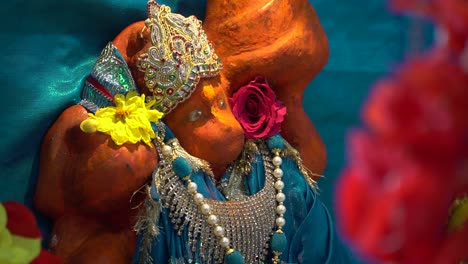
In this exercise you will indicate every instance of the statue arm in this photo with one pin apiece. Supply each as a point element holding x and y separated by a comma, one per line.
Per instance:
<point>86,184</point>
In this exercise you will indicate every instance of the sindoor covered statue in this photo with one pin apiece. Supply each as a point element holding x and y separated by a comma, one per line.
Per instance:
<point>184,150</point>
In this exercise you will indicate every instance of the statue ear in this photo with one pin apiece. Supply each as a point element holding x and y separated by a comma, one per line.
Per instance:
<point>131,40</point>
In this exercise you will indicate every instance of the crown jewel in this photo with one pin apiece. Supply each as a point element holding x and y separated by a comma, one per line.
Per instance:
<point>179,56</point>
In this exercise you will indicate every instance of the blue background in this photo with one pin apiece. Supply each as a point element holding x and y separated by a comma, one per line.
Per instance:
<point>366,42</point>
<point>49,46</point>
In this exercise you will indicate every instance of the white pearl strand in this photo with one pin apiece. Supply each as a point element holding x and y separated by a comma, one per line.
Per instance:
<point>279,186</point>
<point>280,197</point>
<point>205,208</point>
<point>212,219</point>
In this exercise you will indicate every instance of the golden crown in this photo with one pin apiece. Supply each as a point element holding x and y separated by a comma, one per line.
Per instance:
<point>179,56</point>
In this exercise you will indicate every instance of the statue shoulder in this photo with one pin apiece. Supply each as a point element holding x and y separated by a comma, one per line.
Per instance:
<point>88,172</point>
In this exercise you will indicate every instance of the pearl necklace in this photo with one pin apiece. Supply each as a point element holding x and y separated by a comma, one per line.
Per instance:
<point>183,169</point>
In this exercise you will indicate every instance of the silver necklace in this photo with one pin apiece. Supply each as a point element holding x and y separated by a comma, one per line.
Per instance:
<point>221,230</point>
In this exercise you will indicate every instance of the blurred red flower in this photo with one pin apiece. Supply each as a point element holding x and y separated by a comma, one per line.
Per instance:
<point>454,248</point>
<point>451,17</point>
<point>423,107</point>
<point>20,222</point>
<point>406,170</point>
<point>389,206</point>
<point>399,198</point>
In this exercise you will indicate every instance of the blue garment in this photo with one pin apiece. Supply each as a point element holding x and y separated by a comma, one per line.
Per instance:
<point>309,228</point>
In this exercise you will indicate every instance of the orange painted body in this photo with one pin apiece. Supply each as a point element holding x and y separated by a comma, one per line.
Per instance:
<point>87,184</point>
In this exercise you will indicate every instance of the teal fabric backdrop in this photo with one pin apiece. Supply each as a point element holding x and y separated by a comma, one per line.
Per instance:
<point>49,46</point>
<point>366,42</point>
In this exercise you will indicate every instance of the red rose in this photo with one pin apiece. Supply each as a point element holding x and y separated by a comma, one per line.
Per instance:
<point>257,109</point>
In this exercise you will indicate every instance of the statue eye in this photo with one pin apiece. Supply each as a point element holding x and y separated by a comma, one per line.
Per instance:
<point>222,103</point>
<point>195,115</point>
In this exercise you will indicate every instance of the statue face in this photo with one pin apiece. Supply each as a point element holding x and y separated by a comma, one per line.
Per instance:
<point>204,123</point>
<point>206,127</point>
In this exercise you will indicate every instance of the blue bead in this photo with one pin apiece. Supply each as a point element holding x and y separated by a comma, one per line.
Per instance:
<point>275,142</point>
<point>234,258</point>
<point>278,242</point>
<point>154,127</point>
<point>154,193</point>
<point>181,167</point>
<point>168,135</point>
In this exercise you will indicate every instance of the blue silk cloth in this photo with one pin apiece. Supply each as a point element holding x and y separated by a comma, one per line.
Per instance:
<point>309,227</point>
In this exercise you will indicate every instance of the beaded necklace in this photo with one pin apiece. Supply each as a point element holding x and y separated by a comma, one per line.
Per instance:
<point>230,232</point>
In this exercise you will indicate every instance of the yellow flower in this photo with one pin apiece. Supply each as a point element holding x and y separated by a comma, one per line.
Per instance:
<point>16,249</point>
<point>129,121</point>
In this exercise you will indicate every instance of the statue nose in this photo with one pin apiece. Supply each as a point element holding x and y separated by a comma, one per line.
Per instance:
<point>226,119</point>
